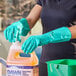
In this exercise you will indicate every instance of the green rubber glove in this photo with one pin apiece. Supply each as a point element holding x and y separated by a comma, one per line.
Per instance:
<point>59,35</point>
<point>14,32</point>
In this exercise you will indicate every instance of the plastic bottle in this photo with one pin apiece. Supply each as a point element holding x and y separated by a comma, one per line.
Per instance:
<point>2,64</point>
<point>0,69</point>
<point>20,64</point>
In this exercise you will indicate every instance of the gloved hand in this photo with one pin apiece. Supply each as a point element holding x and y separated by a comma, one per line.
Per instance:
<point>59,35</point>
<point>16,30</point>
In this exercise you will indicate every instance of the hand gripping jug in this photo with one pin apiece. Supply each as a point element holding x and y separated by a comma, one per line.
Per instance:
<point>21,64</point>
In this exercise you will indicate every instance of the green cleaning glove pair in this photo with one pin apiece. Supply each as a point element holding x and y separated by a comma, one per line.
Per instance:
<point>14,32</point>
<point>21,28</point>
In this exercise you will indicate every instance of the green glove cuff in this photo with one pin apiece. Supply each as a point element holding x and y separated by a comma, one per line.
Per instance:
<point>25,24</point>
<point>59,35</point>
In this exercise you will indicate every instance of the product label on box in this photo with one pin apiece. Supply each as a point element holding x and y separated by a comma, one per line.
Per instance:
<point>13,70</point>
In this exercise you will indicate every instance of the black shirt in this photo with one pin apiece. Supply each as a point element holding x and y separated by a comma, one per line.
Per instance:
<point>55,14</point>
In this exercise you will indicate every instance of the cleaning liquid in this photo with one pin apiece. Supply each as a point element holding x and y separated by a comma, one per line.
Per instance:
<point>21,64</point>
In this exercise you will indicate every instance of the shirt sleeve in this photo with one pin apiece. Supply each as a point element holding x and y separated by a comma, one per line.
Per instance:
<point>39,2</point>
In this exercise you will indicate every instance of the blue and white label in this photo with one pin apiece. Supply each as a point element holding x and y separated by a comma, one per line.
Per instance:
<point>19,70</point>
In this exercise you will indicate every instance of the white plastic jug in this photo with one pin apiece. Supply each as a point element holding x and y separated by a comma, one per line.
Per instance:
<point>21,64</point>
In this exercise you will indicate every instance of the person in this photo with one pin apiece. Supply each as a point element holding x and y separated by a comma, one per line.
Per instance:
<point>58,34</point>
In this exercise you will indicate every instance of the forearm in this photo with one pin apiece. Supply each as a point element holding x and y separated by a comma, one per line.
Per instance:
<point>73,32</point>
<point>59,35</point>
<point>34,15</point>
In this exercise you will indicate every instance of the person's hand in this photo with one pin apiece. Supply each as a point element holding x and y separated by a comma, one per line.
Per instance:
<point>59,35</point>
<point>34,41</point>
<point>30,44</point>
<point>16,30</point>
